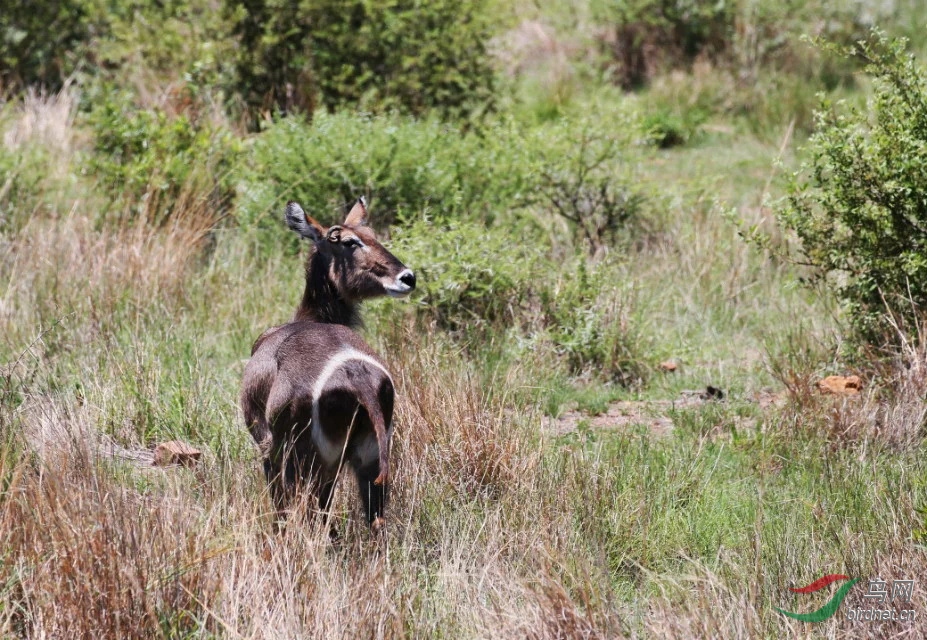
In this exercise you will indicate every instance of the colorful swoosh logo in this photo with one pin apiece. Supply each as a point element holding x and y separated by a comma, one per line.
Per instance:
<point>830,608</point>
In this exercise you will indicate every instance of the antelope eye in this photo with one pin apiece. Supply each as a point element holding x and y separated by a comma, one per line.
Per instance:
<point>351,242</point>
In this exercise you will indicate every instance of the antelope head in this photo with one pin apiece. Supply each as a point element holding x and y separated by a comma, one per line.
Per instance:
<point>353,260</point>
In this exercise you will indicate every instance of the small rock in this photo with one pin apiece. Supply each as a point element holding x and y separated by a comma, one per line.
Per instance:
<point>668,366</point>
<point>840,385</point>
<point>175,452</point>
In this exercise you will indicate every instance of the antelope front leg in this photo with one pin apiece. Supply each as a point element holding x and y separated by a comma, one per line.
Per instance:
<point>278,492</point>
<point>326,493</point>
<point>282,468</point>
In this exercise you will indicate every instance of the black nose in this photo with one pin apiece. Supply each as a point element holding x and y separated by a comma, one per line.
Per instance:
<point>408,278</point>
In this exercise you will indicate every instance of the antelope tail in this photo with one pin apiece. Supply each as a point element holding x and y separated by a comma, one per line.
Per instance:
<point>371,403</point>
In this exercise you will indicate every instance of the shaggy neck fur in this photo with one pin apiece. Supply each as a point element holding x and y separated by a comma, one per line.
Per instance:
<point>321,301</point>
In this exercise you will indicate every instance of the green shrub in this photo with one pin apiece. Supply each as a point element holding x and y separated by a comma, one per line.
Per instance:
<point>380,55</point>
<point>668,129</point>
<point>271,56</point>
<point>43,43</point>
<point>145,158</point>
<point>40,42</point>
<point>471,279</point>
<point>770,38</point>
<point>407,55</point>
<point>583,172</point>
<point>474,282</point>
<point>647,36</point>
<point>273,67</point>
<point>399,163</point>
<point>36,171</point>
<point>859,205</point>
<point>330,162</point>
<point>21,185</point>
<point>182,46</point>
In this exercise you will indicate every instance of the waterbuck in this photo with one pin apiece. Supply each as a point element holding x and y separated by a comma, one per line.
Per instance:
<point>315,396</point>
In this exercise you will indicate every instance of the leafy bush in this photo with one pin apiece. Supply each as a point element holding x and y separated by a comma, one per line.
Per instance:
<point>39,41</point>
<point>43,43</point>
<point>403,54</point>
<point>646,37</point>
<point>668,129</point>
<point>859,206</point>
<point>498,173</point>
<point>169,51</point>
<point>330,162</point>
<point>273,64</point>
<point>470,278</point>
<point>583,172</point>
<point>474,281</point>
<point>768,37</point>
<point>146,158</point>
<point>379,55</point>
<point>399,163</point>
<point>21,184</point>
<point>36,158</point>
<point>649,34</point>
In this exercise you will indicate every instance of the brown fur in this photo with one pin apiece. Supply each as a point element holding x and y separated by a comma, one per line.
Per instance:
<point>355,405</point>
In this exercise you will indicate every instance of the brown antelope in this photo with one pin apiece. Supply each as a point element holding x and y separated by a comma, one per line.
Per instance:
<point>314,395</point>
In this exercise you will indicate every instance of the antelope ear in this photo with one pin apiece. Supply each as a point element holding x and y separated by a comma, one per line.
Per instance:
<point>302,224</point>
<point>357,216</point>
<point>334,234</point>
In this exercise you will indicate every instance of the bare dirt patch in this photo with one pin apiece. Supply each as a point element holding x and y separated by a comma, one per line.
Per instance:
<point>620,415</point>
<point>653,414</point>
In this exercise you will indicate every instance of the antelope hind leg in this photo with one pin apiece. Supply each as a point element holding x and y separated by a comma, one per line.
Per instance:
<point>373,496</point>
<point>326,494</point>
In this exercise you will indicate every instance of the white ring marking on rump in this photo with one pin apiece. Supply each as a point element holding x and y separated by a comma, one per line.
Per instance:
<point>331,451</point>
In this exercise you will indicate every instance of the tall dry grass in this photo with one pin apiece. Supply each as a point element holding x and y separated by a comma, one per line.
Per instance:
<point>889,412</point>
<point>96,547</point>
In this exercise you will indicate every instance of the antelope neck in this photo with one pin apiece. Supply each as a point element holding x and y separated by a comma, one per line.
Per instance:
<point>321,300</point>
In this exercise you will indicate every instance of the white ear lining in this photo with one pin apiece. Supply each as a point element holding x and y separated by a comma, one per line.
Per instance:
<point>302,224</point>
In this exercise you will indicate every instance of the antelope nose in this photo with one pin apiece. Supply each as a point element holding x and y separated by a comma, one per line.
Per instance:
<point>408,278</point>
